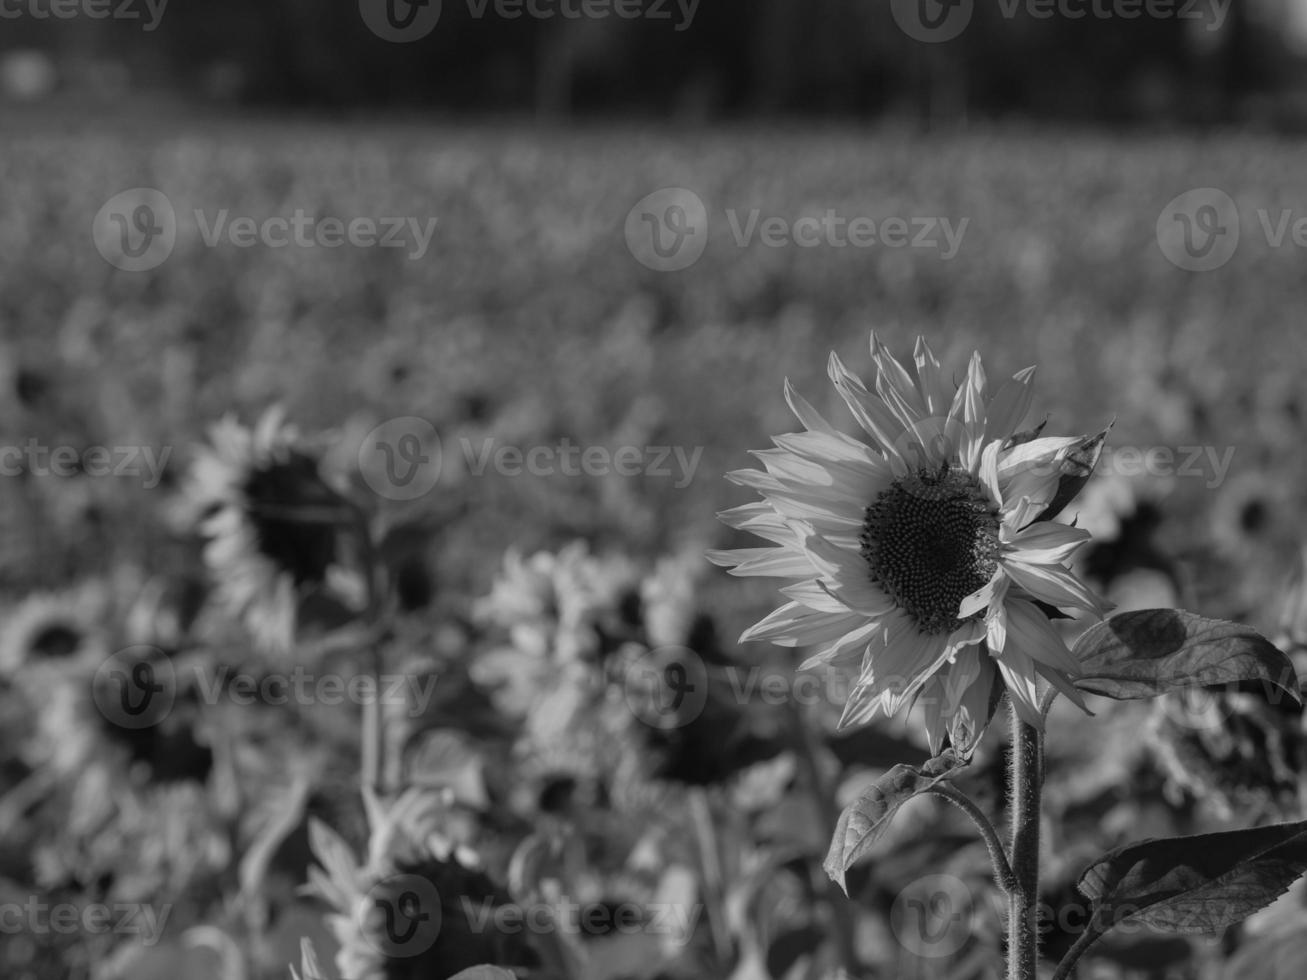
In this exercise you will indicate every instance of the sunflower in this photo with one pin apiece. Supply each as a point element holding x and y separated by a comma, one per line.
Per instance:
<point>271,522</point>
<point>556,604</point>
<point>412,908</point>
<point>47,627</point>
<point>923,561</point>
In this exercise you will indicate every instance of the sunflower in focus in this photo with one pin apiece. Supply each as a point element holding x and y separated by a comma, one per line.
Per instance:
<point>272,524</point>
<point>922,560</point>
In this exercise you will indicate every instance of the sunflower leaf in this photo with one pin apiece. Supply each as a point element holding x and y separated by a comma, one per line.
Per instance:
<point>1075,467</point>
<point>1197,884</point>
<point>866,819</point>
<point>1150,652</point>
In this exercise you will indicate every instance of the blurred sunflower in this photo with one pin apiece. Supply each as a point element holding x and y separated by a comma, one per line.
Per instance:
<point>554,604</point>
<point>417,907</point>
<point>1250,512</point>
<point>919,561</point>
<point>272,523</point>
<point>45,626</point>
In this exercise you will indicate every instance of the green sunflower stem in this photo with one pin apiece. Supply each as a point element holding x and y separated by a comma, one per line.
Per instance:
<point>1024,792</point>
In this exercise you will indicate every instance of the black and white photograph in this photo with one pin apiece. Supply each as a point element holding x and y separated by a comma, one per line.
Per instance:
<point>653,489</point>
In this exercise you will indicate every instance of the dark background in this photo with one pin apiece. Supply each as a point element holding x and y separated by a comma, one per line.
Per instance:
<point>737,58</point>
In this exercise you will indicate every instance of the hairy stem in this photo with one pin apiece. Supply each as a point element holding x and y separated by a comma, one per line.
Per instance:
<point>1024,791</point>
<point>997,855</point>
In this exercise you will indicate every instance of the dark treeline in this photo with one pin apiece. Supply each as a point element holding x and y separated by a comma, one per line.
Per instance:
<point>1209,60</point>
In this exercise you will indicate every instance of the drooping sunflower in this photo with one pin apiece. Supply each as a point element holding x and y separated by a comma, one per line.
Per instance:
<point>272,524</point>
<point>923,560</point>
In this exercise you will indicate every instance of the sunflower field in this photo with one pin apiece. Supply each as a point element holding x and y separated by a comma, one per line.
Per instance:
<point>365,611</point>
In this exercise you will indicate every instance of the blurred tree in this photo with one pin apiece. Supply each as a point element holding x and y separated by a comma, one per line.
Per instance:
<point>733,57</point>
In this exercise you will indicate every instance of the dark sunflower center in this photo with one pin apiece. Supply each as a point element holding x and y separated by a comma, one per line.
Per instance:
<point>930,540</point>
<point>303,547</point>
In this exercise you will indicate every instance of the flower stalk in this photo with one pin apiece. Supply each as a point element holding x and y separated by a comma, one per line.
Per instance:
<point>373,723</point>
<point>1025,789</point>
